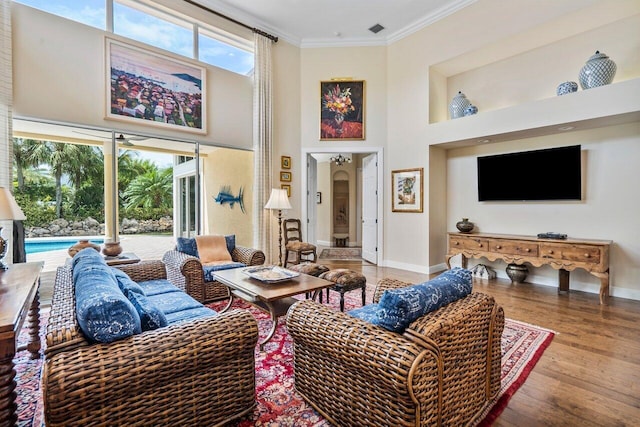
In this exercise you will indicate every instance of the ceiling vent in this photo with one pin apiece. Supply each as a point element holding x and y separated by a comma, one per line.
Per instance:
<point>376,28</point>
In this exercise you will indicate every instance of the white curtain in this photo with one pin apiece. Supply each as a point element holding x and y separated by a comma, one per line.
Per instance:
<point>262,143</point>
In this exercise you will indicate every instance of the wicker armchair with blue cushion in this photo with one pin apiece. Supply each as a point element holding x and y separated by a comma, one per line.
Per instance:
<point>421,355</point>
<point>186,271</point>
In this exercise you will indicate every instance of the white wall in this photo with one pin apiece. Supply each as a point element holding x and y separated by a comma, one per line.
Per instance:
<point>60,75</point>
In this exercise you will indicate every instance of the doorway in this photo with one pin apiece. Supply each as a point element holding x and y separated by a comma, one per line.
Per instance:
<point>363,211</point>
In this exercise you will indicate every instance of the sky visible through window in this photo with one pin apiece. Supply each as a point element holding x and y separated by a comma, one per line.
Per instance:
<point>149,29</point>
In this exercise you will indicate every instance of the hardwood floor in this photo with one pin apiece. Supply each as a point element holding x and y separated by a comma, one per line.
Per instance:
<point>588,376</point>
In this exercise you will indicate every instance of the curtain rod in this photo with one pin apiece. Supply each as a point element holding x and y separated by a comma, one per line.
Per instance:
<point>255,30</point>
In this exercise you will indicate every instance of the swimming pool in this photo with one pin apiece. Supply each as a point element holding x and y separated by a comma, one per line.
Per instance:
<point>33,246</point>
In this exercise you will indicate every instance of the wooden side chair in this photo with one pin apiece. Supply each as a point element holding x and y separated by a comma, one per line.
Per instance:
<point>293,244</point>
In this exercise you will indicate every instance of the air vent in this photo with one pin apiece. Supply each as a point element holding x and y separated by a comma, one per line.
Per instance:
<point>376,28</point>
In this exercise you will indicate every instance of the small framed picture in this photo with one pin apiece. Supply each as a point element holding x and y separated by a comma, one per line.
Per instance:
<point>318,197</point>
<point>406,189</point>
<point>286,187</point>
<point>285,176</point>
<point>285,162</point>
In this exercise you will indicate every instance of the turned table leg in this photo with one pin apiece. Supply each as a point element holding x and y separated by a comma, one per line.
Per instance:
<point>604,285</point>
<point>8,407</point>
<point>33,320</point>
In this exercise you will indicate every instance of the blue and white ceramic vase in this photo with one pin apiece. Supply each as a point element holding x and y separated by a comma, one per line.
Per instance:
<point>458,105</point>
<point>567,87</point>
<point>470,110</point>
<point>598,71</point>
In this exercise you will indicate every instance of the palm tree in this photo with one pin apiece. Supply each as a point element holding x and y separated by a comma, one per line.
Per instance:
<point>88,167</point>
<point>151,190</point>
<point>22,158</point>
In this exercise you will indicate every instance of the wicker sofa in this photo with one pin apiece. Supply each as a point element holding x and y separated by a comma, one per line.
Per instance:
<point>186,272</point>
<point>195,372</point>
<point>442,370</point>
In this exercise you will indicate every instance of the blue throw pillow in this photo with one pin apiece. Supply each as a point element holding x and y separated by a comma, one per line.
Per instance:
<point>231,242</point>
<point>104,314</point>
<point>150,315</point>
<point>125,283</point>
<point>187,245</point>
<point>399,307</point>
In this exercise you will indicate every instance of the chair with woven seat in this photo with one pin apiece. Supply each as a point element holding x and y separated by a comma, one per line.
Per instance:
<point>293,244</point>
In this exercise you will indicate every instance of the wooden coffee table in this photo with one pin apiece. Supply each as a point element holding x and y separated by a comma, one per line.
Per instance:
<point>273,298</point>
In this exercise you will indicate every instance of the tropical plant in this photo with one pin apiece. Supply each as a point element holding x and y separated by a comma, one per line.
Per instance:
<point>153,189</point>
<point>22,158</point>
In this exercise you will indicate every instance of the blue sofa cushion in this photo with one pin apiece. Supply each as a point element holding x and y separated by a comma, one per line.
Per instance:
<point>151,317</point>
<point>189,247</point>
<point>173,302</point>
<point>104,314</point>
<point>125,283</point>
<point>368,313</point>
<point>192,313</point>
<point>399,307</point>
<point>209,270</point>
<point>158,286</point>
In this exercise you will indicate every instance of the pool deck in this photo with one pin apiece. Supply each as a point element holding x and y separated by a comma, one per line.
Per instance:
<point>144,246</point>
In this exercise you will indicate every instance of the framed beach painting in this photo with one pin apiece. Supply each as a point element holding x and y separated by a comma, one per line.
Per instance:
<point>342,110</point>
<point>406,190</point>
<point>145,87</point>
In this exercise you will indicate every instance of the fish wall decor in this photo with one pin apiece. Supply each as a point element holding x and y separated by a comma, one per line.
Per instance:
<point>225,196</point>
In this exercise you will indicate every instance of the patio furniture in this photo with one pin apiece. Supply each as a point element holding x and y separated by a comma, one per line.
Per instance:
<point>293,243</point>
<point>197,370</point>
<point>443,370</point>
<point>186,272</point>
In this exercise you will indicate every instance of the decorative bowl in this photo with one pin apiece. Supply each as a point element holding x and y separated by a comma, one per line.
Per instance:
<point>567,87</point>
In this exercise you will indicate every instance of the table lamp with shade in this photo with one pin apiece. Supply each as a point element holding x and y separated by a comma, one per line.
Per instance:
<point>9,210</point>
<point>278,200</point>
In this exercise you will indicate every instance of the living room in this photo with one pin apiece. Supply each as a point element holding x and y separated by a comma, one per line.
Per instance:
<point>508,67</point>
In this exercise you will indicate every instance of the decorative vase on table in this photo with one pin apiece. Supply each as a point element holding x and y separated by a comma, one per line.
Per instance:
<point>465,226</point>
<point>82,243</point>
<point>458,104</point>
<point>112,249</point>
<point>598,71</point>
<point>517,273</point>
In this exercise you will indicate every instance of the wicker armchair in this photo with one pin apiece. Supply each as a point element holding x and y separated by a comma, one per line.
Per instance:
<point>442,371</point>
<point>198,372</point>
<point>185,271</point>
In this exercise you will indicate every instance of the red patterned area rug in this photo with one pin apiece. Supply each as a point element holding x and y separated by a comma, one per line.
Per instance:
<point>278,404</point>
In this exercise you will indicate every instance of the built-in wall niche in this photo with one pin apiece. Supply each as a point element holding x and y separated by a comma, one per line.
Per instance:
<point>341,202</point>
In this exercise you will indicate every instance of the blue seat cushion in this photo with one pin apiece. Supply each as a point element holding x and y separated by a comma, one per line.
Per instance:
<point>174,301</point>
<point>189,247</point>
<point>397,308</point>
<point>209,270</point>
<point>158,286</point>
<point>193,313</point>
<point>151,317</point>
<point>103,312</point>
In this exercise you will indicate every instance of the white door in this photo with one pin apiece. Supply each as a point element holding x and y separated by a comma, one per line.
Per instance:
<point>312,187</point>
<point>370,208</point>
<point>185,205</point>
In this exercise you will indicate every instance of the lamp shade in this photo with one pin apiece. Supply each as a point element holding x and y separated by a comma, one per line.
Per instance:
<point>278,200</point>
<point>9,209</point>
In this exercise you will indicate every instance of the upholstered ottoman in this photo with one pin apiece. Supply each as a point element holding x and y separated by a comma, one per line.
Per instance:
<point>344,281</point>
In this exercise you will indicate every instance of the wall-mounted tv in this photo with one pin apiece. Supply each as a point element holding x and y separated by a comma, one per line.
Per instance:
<point>549,174</point>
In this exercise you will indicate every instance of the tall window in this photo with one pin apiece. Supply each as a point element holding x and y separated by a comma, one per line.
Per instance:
<point>143,22</point>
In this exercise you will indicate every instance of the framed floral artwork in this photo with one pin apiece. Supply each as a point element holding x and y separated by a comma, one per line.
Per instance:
<point>286,187</point>
<point>406,190</point>
<point>285,176</point>
<point>342,110</point>
<point>145,87</point>
<point>285,162</point>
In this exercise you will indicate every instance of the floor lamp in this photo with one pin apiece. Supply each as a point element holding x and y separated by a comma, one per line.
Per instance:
<point>278,200</point>
<point>9,209</point>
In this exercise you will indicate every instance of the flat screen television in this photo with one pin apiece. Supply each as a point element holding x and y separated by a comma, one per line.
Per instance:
<point>549,174</point>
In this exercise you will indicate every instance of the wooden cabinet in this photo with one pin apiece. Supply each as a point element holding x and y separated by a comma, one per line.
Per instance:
<point>563,255</point>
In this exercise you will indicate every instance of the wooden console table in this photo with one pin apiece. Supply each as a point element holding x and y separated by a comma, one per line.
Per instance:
<point>563,255</point>
<point>18,298</point>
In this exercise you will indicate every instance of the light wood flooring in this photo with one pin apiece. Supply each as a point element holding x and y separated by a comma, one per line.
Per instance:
<point>589,375</point>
